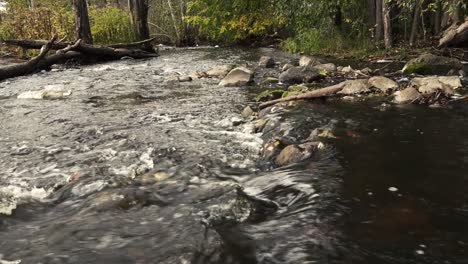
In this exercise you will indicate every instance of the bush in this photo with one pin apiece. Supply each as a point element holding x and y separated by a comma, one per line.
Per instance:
<point>316,42</point>
<point>110,25</point>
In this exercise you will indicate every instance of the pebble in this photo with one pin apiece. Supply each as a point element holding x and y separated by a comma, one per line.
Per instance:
<point>420,252</point>
<point>393,189</point>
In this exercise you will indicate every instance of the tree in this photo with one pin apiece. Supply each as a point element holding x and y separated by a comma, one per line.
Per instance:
<point>82,28</point>
<point>139,13</point>
<point>388,36</point>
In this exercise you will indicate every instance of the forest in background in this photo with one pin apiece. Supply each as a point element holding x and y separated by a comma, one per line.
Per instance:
<point>312,26</point>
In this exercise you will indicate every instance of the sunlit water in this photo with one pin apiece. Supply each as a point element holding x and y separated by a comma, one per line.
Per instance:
<point>134,168</point>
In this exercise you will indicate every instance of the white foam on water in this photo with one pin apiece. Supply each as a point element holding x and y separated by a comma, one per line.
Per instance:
<point>12,196</point>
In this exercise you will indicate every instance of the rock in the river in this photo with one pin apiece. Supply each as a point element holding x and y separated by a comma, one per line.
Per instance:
<point>219,71</point>
<point>408,95</point>
<point>185,79</point>
<point>270,95</point>
<point>355,87</point>
<point>267,62</point>
<point>309,61</point>
<point>247,112</point>
<point>240,76</point>
<point>270,80</point>
<point>298,75</point>
<point>427,64</point>
<point>295,153</point>
<point>383,84</point>
<point>287,66</point>
<point>453,82</point>
<point>328,67</point>
<point>347,69</point>
<point>51,92</point>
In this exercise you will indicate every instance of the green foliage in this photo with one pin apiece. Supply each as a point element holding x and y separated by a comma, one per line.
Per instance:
<point>417,68</point>
<point>21,22</point>
<point>110,25</point>
<point>271,95</point>
<point>236,20</point>
<point>317,42</point>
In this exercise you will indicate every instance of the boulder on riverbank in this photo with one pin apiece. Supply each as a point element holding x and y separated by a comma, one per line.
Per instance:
<point>297,75</point>
<point>429,85</point>
<point>240,76</point>
<point>428,64</point>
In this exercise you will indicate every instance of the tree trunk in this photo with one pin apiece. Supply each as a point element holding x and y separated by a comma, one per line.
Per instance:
<point>372,13</point>
<point>415,25</point>
<point>378,21</point>
<point>139,13</point>
<point>388,37</point>
<point>437,18</point>
<point>82,28</point>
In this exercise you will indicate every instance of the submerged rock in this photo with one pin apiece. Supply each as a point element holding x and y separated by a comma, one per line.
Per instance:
<point>355,87</point>
<point>219,71</point>
<point>50,92</point>
<point>267,62</point>
<point>295,153</point>
<point>270,95</point>
<point>427,64</point>
<point>270,80</point>
<point>298,75</point>
<point>383,84</point>
<point>408,95</point>
<point>240,76</point>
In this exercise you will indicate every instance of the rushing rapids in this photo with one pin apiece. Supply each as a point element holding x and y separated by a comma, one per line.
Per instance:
<point>122,163</point>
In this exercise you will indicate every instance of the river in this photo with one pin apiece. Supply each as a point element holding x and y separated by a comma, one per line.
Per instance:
<point>132,167</point>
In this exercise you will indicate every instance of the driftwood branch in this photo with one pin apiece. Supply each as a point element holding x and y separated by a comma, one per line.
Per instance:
<point>455,36</point>
<point>323,92</point>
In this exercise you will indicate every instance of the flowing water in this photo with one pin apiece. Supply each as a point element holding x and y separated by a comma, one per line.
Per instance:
<point>132,167</point>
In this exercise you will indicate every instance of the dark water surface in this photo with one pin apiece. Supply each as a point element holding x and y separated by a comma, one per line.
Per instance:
<point>134,168</point>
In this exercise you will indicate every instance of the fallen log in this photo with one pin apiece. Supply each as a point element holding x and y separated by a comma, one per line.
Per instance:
<point>26,67</point>
<point>66,51</point>
<point>455,36</point>
<point>323,92</point>
<point>37,44</point>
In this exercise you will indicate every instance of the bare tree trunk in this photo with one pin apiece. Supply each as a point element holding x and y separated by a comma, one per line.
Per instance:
<point>139,13</point>
<point>415,25</point>
<point>174,21</point>
<point>378,21</point>
<point>372,12</point>
<point>82,28</point>
<point>388,37</point>
<point>438,18</point>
